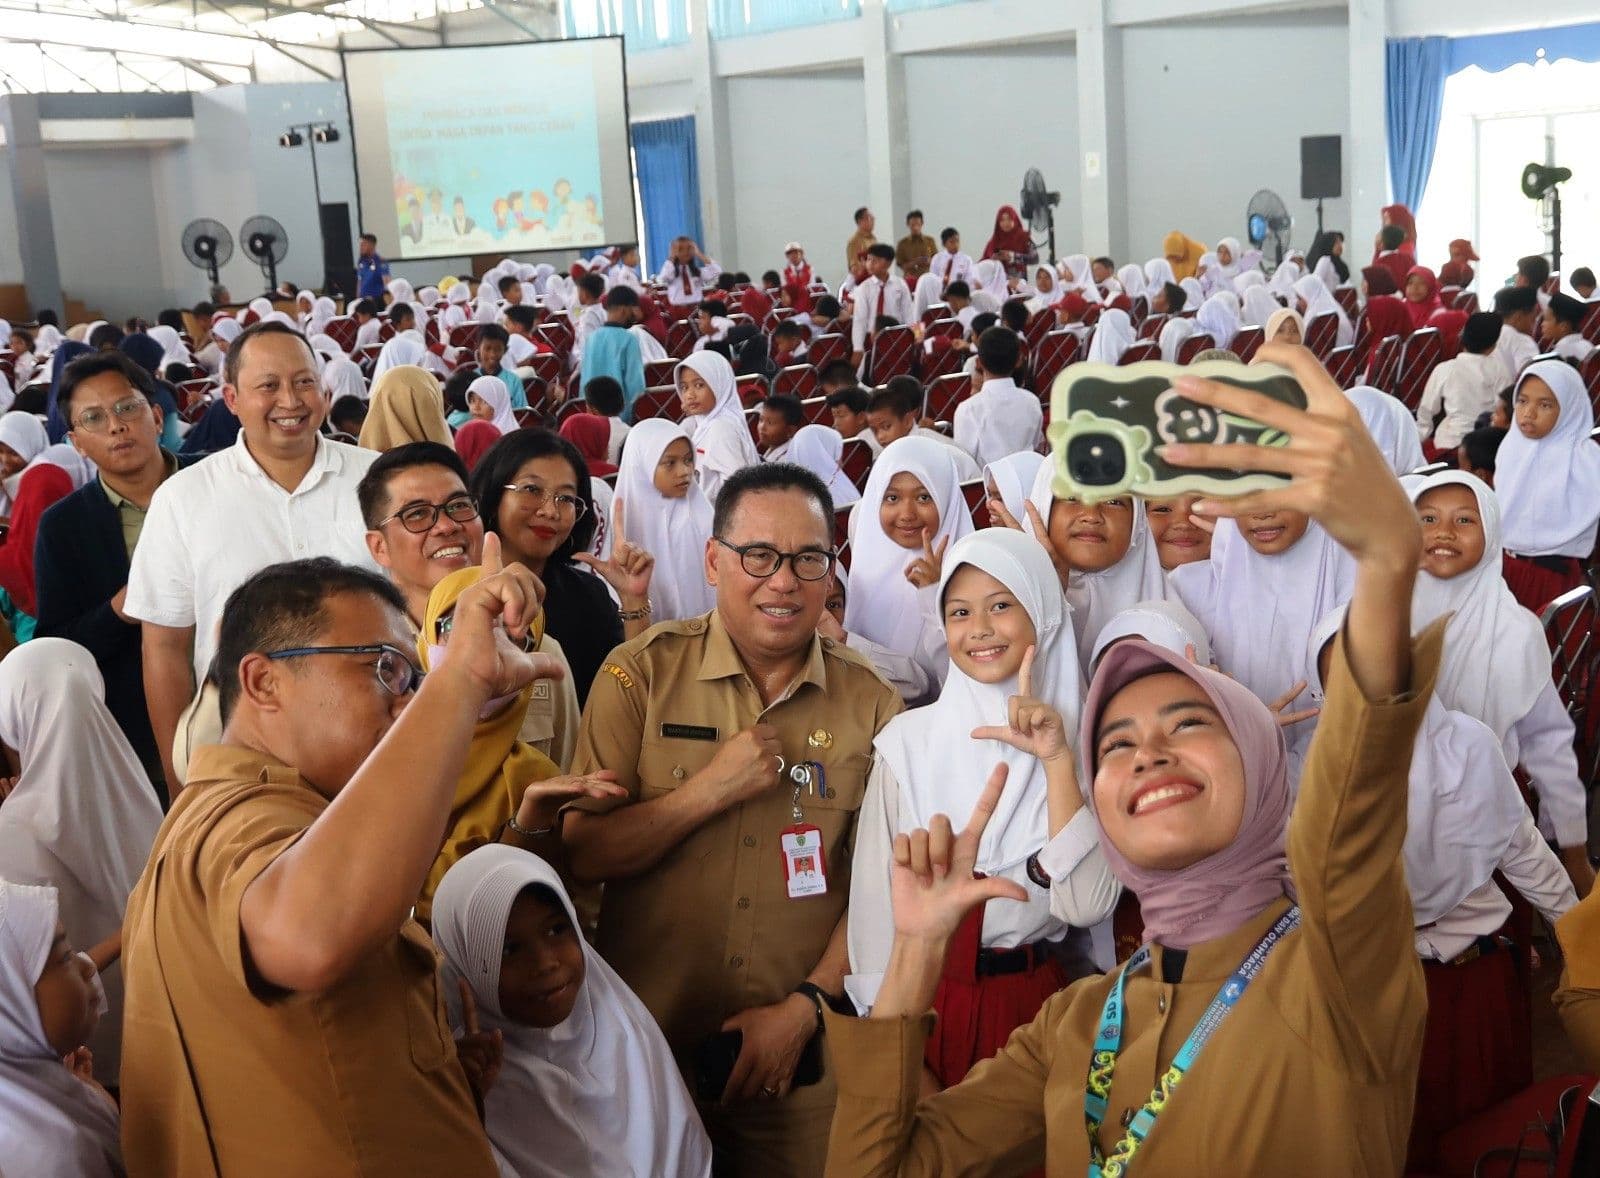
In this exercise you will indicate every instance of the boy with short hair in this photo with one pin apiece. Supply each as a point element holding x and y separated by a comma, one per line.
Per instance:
<point>1563,327</point>
<point>836,375</point>
<point>613,349</point>
<point>605,399</point>
<point>788,344</point>
<point>491,356</point>
<point>402,318</point>
<point>1582,280</point>
<point>824,311</point>
<point>958,297</point>
<point>520,322</point>
<point>1533,271</point>
<point>591,317</point>
<point>779,419</point>
<point>368,325</point>
<point>895,412</point>
<point>713,322</point>
<point>1476,454</point>
<point>1169,298</point>
<point>880,296</point>
<point>1517,307</point>
<point>510,289</point>
<point>950,265</point>
<point>849,409</point>
<point>346,414</point>
<point>1459,390</point>
<point>999,419</point>
<point>1103,269</point>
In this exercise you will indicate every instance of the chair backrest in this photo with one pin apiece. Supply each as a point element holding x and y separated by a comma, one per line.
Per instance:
<point>817,411</point>
<point>1322,334</point>
<point>934,313</point>
<point>528,418</point>
<point>944,394</point>
<point>1059,348</point>
<point>1466,301</point>
<point>931,365</point>
<point>1347,298</point>
<point>1193,346</point>
<point>797,380</point>
<point>1569,627</point>
<point>1419,356</point>
<point>893,354</point>
<point>661,401</point>
<point>466,336</point>
<point>1040,324</point>
<point>752,421</point>
<point>856,462</point>
<point>947,326</point>
<point>1091,316</point>
<point>342,330</point>
<point>1344,365</point>
<point>680,338</point>
<point>1590,371</point>
<point>752,388</point>
<point>827,348</point>
<point>659,371</point>
<point>1143,350</point>
<point>1248,342</point>
<point>1141,308</point>
<point>1591,324</point>
<point>975,493</point>
<point>1150,326</point>
<point>1384,371</point>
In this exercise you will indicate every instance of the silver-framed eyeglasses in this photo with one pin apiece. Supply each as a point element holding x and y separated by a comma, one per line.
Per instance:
<point>97,421</point>
<point>565,504</point>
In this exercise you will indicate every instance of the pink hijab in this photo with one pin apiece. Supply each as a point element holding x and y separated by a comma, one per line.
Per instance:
<point>1211,898</point>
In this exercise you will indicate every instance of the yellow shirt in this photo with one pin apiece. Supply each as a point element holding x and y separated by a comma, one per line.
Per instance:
<point>130,513</point>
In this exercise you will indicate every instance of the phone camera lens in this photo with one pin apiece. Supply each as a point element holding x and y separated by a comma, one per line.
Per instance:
<point>1096,460</point>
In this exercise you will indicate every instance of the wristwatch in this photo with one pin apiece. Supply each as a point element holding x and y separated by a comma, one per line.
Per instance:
<point>820,998</point>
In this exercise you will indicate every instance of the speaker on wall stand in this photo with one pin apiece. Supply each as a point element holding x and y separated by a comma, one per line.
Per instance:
<point>1321,170</point>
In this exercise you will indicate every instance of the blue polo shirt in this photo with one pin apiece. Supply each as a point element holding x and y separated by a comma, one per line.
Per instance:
<point>371,275</point>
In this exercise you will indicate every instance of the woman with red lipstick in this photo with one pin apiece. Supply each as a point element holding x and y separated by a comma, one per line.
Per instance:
<point>1273,1021</point>
<point>588,1085</point>
<point>1012,694</point>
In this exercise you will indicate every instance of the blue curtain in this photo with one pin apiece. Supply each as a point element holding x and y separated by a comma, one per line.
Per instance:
<point>1416,69</point>
<point>1501,51</point>
<point>730,18</point>
<point>669,185</point>
<point>645,24</point>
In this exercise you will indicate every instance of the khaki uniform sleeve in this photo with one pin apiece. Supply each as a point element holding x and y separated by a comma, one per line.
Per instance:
<point>990,1123</point>
<point>612,730</point>
<point>1579,1009</point>
<point>1345,842</point>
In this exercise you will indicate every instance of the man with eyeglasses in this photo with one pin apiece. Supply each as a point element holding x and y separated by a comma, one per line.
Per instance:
<point>744,741</point>
<point>284,1012</point>
<point>87,540</point>
<point>280,492</point>
<point>422,525</point>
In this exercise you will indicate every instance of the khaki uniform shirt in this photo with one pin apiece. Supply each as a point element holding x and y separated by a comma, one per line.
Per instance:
<point>224,1075</point>
<point>551,723</point>
<point>1314,1072</point>
<point>709,930</point>
<point>855,247</point>
<point>913,253</point>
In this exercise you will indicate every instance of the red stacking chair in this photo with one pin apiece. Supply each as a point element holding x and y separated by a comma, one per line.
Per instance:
<point>975,493</point>
<point>659,371</point>
<point>466,336</point>
<point>934,313</point>
<point>1247,342</point>
<point>817,411</point>
<point>547,371</point>
<point>343,331</point>
<point>430,333</point>
<point>1466,301</point>
<point>1344,365</point>
<point>191,391</point>
<point>855,459</point>
<point>944,394</point>
<point>1591,378</point>
<point>752,389</point>
<point>1384,371</point>
<point>776,316</point>
<point>658,402</point>
<point>945,326</point>
<point>557,332</point>
<point>939,362</point>
<point>1419,356</point>
<point>894,353</point>
<point>1141,308</point>
<point>1591,324</point>
<point>1322,334</point>
<point>570,408</point>
<point>797,380</point>
<point>528,418</point>
<point>841,528</point>
<point>385,331</point>
<point>1092,315</point>
<point>1040,324</point>
<point>827,348</point>
<point>752,421</point>
<point>1346,297</point>
<point>1143,350</point>
<point>1059,348</point>
<point>1150,327</point>
<point>680,339</point>
<point>1193,346</point>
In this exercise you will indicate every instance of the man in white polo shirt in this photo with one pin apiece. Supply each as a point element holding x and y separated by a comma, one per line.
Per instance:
<point>281,492</point>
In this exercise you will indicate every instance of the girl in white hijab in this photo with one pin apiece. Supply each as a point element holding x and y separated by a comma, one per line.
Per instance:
<point>428,296</point>
<point>1130,570</point>
<point>1248,279</point>
<point>1174,333</point>
<point>1549,484</point>
<point>1319,300</point>
<point>260,307</point>
<point>26,437</point>
<point>53,1119</point>
<point>82,817</point>
<point>884,604</point>
<point>668,516</point>
<point>1218,317</point>
<point>820,449</point>
<point>173,349</point>
<point>998,595</point>
<point>1283,278</point>
<point>1131,279</point>
<point>487,307</point>
<point>1009,480</point>
<point>1225,272</point>
<point>1496,665</point>
<point>1165,623</point>
<point>930,290</point>
<point>1259,305</point>
<point>1391,426</point>
<point>989,276</point>
<point>1113,335</point>
<point>1075,273</point>
<point>1195,292</point>
<point>400,291</point>
<point>489,400</point>
<point>714,419</point>
<point>1157,273</point>
<point>341,377</point>
<point>1048,290</point>
<point>596,1091</point>
<point>405,348</point>
<point>454,313</point>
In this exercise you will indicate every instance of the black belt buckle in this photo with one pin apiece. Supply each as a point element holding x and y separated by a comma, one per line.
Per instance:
<point>995,963</point>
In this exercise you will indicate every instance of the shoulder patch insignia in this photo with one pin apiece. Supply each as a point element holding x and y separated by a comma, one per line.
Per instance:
<point>618,674</point>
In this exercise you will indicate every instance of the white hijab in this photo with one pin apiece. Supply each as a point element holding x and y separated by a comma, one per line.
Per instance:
<point>989,276</point>
<point>1096,598</point>
<point>674,531</point>
<point>598,1094</point>
<point>930,289</point>
<point>1082,275</point>
<point>1259,610</point>
<point>1248,279</point>
<point>1320,301</point>
<point>404,348</point>
<point>427,296</point>
<point>260,307</point>
<point>1284,277</point>
<point>1549,489</point>
<point>1194,292</point>
<point>341,376</point>
<point>51,1122</point>
<point>1012,476</point>
<point>83,816</point>
<point>1131,279</point>
<point>1174,333</point>
<point>400,291</point>
<point>459,294</point>
<point>1391,426</point>
<point>883,606</point>
<point>1165,623</point>
<point>1218,317</point>
<point>1228,270</point>
<point>25,434</point>
<point>1157,273</point>
<point>1259,305</point>
<point>820,449</point>
<point>1113,335</point>
<point>725,423</point>
<point>492,391</point>
<point>1496,660</point>
<point>173,349</point>
<point>939,766</point>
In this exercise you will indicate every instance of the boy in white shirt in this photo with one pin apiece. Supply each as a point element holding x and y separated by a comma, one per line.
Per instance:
<point>1517,307</point>
<point>1563,327</point>
<point>950,264</point>
<point>958,297</point>
<point>879,297</point>
<point>848,406</point>
<point>895,411</point>
<point>713,321</point>
<point>368,325</point>
<point>999,419</point>
<point>591,315</point>
<point>605,398</point>
<point>687,274</point>
<point>1462,389</point>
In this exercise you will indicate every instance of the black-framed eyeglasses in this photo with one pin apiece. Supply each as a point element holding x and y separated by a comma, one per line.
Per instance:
<point>97,420</point>
<point>396,673</point>
<point>763,560</point>
<point>420,517</point>
<point>565,504</point>
<point>445,626</point>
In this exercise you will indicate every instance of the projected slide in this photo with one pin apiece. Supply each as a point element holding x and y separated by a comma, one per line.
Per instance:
<point>477,149</point>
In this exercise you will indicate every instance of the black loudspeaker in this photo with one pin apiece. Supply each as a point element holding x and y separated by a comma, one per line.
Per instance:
<point>1321,166</point>
<point>338,264</point>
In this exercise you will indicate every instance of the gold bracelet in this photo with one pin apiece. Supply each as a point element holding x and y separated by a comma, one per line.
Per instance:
<point>634,615</point>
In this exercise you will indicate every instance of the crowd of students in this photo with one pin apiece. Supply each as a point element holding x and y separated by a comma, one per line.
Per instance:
<point>405,718</point>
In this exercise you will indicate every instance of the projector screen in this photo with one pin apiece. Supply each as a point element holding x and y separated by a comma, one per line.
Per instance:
<point>475,149</point>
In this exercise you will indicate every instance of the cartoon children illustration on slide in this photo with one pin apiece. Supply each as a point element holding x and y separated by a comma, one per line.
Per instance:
<point>561,207</point>
<point>502,213</point>
<point>590,214</point>
<point>460,223</point>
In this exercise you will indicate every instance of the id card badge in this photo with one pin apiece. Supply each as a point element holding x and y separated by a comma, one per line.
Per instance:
<point>804,872</point>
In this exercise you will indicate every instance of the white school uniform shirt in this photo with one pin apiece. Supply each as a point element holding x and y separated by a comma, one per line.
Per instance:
<point>1573,347</point>
<point>779,453</point>
<point>1514,350</point>
<point>896,305</point>
<point>367,333</point>
<point>619,434</point>
<point>588,321</point>
<point>649,346</point>
<point>998,420</point>
<point>620,275</point>
<point>214,524</point>
<point>672,278</point>
<point>871,439</point>
<point>948,267</point>
<point>1462,389</point>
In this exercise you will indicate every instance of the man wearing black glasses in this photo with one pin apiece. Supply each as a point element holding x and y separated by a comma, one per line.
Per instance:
<point>744,741</point>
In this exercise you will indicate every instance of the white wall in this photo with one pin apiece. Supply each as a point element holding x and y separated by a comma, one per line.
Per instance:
<point>1216,110</point>
<point>799,166</point>
<point>103,205</point>
<point>10,259</point>
<point>977,121</point>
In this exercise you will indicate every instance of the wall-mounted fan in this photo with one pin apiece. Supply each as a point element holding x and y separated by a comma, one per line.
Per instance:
<point>1268,224</point>
<point>267,244</point>
<point>208,245</point>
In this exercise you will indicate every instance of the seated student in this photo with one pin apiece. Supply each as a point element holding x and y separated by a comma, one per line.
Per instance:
<point>1562,326</point>
<point>1070,312</point>
<point>58,1119</point>
<point>780,418</point>
<point>590,434</point>
<point>895,412</point>
<point>1285,326</point>
<point>820,449</point>
<point>879,296</point>
<point>825,312</point>
<point>1006,484</point>
<point>1391,427</point>
<point>835,376</point>
<point>603,395</point>
<point>487,401</point>
<point>685,276</point>
<point>1533,272</point>
<point>53,473</point>
<point>1582,280</point>
<point>669,517</point>
<point>588,1085</point>
<point>406,406</point>
<point>998,418</point>
<point>491,355</point>
<point>1548,483</point>
<point>1459,390</point>
<point>613,350</point>
<point>1394,253</point>
<point>909,514</point>
<point>709,394</point>
<point>848,408</point>
<point>958,297</point>
<point>712,322</point>
<point>347,414</point>
<point>1169,299</point>
<point>1518,308</point>
<point>1014,314</point>
<point>368,325</point>
<point>510,287</point>
<point>1476,454</point>
<point>789,341</point>
<point>771,285</point>
<point>522,345</point>
<point>950,264</point>
<point>1496,665</point>
<point>1014,675</point>
<point>1332,1042</point>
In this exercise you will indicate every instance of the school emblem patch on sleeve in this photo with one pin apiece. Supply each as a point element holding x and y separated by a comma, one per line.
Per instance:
<point>618,674</point>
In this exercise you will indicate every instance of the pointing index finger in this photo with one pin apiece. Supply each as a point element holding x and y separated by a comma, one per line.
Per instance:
<point>1025,674</point>
<point>492,562</point>
<point>469,1007</point>
<point>616,521</point>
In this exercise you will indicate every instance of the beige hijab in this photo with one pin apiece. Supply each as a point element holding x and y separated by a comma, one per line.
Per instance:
<point>406,406</point>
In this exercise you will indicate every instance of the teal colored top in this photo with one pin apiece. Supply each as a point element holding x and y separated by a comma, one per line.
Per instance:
<point>614,351</point>
<point>513,383</point>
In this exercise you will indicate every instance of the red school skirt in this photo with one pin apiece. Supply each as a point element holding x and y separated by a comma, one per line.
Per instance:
<point>984,995</point>
<point>1537,581</point>
<point>1472,1057</point>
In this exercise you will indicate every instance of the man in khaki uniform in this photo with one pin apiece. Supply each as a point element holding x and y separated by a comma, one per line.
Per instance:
<point>855,250</point>
<point>711,912</point>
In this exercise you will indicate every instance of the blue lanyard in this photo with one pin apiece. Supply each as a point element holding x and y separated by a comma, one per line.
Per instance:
<point>1108,1042</point>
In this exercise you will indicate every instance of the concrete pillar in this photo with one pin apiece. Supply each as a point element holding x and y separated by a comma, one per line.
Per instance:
<point>1366,148</point>
<point>888,137</point>
<point>713,140</point>
<point>36,236</point>
<point>1102,168</point>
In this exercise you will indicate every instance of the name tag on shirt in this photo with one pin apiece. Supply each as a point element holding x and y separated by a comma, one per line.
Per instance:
<point>688,732</point>
<point>804,871</point>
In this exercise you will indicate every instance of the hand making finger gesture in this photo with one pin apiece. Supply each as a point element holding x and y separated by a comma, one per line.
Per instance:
<point>1041,533</point>
<point>491,620</point>
<point>629,568</point>
<point>481,1052</point>
<point>1285,718</point>
<point>926,569</point>
<point>1032,726</point>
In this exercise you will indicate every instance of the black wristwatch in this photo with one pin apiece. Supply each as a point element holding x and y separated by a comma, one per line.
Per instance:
<point>820,998</point>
